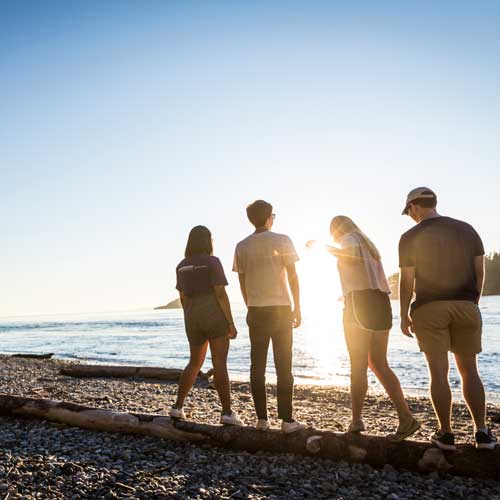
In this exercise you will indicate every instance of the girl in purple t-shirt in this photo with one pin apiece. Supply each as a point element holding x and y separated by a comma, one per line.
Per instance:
<point>208,320</point>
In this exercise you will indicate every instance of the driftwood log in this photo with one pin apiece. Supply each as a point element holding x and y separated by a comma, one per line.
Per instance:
<point>86,417</point>
<point>33,356</point>
<point>373,450</point>
<point>78,370</point>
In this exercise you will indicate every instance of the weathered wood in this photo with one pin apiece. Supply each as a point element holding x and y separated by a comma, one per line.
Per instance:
<point>33,356</point>
<point>374,450</point>
<point>97,419</point>
<point>79,370</point>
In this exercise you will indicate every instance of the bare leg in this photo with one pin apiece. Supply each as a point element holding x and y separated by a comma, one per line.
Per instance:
<point>219,348</point>
<point>377,361</point>
<point>440,388</point>
<point>472,388</point>
<point>190,373</point>
<point>358,344</point>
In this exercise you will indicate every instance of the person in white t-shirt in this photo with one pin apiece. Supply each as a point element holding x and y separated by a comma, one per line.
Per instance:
<point>265,263</point>
<point>367,321</point>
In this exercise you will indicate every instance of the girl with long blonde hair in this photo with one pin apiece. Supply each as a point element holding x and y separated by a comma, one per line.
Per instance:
<point>367,321</point>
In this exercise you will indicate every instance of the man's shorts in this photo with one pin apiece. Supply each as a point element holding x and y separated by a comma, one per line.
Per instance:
<point>204,319</point>
<point>448,325</point>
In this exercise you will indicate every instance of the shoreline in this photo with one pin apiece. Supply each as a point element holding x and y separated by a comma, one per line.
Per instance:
<point>314,381</point>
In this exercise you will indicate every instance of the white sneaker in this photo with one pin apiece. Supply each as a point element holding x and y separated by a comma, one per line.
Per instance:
<point>177,413</point>
<point>289,427</point>
<point>262,424</point>
<point>231,419</point>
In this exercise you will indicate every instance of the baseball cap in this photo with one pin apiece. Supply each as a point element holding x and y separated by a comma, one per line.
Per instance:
<point>416,194</point>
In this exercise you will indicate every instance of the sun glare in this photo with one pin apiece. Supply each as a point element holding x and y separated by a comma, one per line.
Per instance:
<point>321,298</point>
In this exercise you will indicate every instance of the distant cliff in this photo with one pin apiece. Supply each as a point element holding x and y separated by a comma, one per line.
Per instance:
<point>491,282</point>
<point>175,304</point>
<point>393,280</point>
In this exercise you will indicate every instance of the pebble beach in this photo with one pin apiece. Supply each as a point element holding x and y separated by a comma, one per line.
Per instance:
<point>45,460</point>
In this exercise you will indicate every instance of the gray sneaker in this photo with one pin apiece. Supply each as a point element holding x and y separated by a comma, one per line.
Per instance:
<point>289,427</point>
<point>230,419</point>
<point>177,413</point>
<point>262,424</point>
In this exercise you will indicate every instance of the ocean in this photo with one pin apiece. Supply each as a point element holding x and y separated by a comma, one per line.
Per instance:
<point>157,338</point>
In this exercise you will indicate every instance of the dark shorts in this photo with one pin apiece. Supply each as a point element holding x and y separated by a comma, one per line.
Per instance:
<point>368,309</point>
<point>204,319</point>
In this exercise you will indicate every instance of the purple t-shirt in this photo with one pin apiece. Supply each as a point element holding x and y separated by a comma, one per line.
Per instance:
<point>199,274</point>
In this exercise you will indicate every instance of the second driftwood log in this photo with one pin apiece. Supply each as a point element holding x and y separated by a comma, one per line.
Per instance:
<point>373,450</point>
<point>33,356</point>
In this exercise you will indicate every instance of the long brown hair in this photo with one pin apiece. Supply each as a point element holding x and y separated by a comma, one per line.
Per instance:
<point>345,225</point>
<point>199,242</point>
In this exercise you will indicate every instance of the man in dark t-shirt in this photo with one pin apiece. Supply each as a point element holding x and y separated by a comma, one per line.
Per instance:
<point>442,262</point>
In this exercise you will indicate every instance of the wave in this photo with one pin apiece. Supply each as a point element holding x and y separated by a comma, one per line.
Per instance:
<point>87,325</point>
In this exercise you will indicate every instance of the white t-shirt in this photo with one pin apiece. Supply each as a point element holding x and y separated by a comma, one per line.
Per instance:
<point>262,258</point>
<point>362,272</point>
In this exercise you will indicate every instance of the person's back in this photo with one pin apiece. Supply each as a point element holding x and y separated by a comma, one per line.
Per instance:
<point>265,261</point>
<point>442,260</point>
<point>263,257</point>
<point>442,251</point>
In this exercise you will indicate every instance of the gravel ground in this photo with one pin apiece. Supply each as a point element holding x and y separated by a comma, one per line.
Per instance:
<point>45,460</point>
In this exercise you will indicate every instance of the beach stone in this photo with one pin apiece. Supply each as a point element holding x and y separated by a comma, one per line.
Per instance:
<point>393,496</point>
<point>88,464</point>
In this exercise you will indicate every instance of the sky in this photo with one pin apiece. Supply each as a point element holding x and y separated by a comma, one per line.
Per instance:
<point>126,123</point>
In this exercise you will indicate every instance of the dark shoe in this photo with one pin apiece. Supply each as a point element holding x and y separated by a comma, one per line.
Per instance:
<point>444,440</point>
<point>404,431</point>
<point>355,427</point>
<point>486,440</point>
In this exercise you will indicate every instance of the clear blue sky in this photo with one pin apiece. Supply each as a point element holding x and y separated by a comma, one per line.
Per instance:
<point>123,124</point>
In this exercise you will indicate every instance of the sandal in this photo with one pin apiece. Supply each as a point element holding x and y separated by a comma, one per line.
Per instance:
<point>356,427</point>
<point>402,433</point>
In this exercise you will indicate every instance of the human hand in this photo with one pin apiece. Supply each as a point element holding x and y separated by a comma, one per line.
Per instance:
<point>311,244</point>
<point>407,325</point>
<point>296,318</point>
<point>232,332</point>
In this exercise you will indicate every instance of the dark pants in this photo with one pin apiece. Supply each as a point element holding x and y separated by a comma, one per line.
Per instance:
<point>265,324</point>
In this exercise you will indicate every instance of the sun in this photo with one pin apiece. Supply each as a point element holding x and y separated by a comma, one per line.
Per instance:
<point>319,281</point>
<point>321,336</point>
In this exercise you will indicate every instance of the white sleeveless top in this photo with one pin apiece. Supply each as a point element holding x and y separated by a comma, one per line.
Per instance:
<point>363,272</point>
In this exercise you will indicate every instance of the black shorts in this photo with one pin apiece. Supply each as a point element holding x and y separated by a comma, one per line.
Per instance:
<point>368,309</point>
<point>204,319</point>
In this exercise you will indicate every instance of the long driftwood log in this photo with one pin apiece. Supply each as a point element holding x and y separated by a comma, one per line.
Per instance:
<point>373,450</point>
<point>33,356</point>
<point>78,370</point>
<point>87,417</point>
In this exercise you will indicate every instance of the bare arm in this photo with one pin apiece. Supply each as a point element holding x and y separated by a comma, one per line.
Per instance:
<point>241,278</point>
<point>223,300</point>
<point>343,254</point>
<point>479,269</point>
<point>293,281</point>
<point>183,299</point>
<point>336,252</point>
<point>406,287</point>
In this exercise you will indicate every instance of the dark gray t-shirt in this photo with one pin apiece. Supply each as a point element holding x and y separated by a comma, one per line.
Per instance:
<point>442,251</point>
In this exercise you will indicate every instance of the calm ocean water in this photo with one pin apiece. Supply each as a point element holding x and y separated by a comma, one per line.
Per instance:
<point>156,338</point>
